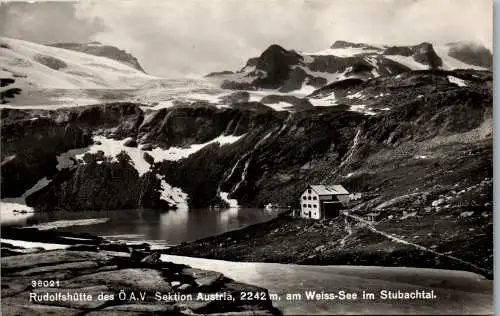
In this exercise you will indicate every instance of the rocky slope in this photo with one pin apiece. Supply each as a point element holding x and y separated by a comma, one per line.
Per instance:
<point>98,49</point>
<point>250,151</point>
<point>101,275</point>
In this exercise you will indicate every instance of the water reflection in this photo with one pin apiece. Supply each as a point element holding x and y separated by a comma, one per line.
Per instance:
<point>172,227</point>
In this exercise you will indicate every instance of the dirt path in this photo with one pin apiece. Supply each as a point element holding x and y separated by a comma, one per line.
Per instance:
<point>402,241</point>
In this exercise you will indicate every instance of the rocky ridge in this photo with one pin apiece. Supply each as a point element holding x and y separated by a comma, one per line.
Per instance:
<point>98,49</point>
<point>108,280</point>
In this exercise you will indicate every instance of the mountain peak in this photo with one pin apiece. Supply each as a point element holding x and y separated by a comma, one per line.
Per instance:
<point>276,49</point>
<point>277,56</point>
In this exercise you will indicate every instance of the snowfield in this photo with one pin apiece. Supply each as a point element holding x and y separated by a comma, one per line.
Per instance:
<point>456,290</point>
<point>407,61</point>
<point>34,65</point>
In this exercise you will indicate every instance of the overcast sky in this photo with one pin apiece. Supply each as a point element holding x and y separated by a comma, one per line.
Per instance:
<point>194,37</point>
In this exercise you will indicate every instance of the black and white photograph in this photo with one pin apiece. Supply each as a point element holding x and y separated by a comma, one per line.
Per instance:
<point>246,157</point>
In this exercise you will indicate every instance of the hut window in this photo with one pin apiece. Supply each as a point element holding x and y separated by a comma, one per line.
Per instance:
<point>309,197</point>
<point>314,197</point>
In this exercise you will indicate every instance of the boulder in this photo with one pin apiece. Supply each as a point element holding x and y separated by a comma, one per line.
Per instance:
<point>204,278</point>
<point>130,143</point>
<point>151,259</point>
<point>82,247</point>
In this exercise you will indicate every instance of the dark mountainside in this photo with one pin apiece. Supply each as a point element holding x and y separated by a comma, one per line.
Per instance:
<point>97,49</point>
<point>279,153</point>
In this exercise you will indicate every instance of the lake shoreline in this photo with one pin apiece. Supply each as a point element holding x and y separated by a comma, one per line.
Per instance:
<point>156,227</point>
<point>267,241</point>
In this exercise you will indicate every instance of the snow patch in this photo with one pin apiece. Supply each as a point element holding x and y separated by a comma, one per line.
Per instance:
<point>466,214</point>
<point>329,76</point>
<point>459,82</point>
<point>32,244</point>
<point>327,101</point>
<point>17,206</point>
<point>280,106</point>
<point>407,61</point>
<point>361,108</point>
<point>357,95</point>
<point>112,148</point>
<point>233,203</point>
<point>305,89</point>
<point>173,195</point>
<point>408,215</point>
<point>290,278</point>
<point>70,223</point>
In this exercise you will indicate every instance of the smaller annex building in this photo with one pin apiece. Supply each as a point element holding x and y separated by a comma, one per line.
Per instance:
<point>323,201</point>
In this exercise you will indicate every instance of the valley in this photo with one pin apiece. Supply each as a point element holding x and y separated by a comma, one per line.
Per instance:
<point>414,139</point>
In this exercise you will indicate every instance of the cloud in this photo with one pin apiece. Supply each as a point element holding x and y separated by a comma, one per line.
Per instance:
<point>46,22</point>
<point>172,38</point>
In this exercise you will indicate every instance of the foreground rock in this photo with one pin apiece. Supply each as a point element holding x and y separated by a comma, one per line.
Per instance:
<point>66,282</point>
